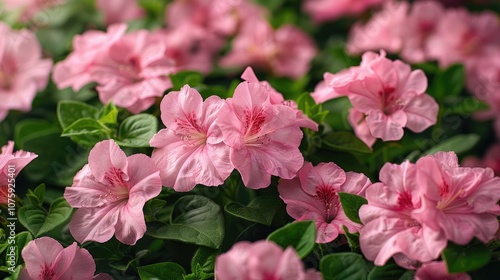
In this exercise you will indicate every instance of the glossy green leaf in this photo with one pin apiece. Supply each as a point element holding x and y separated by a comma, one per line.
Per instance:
<point>466,258</point>
<point>448,82</point>
<point>299,235</point>
<point>457,144</point>
<point>260,210</point>
<point>109,114</point>
<point>137,130</point>
<point>343,266</point>
<point>346,142</point>
<point>389,271</point>
<point>40,221</point>
<point>163,271</point>
<point>69,112</point>
<point>351,204</point>
<point>195,219</point>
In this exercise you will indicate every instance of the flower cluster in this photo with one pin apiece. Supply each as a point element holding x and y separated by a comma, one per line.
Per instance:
<point>324,10</point>
<point>386,97</point>
<point>205,140</point>
<point>417,208</point>
<point>23,72</point>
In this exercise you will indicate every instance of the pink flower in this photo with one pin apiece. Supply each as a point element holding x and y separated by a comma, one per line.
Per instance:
<point>111,191</point>
<point>360,127</point>
<point>420,24</point>
<point>133,71</point>
<point>459,201</point>
<point>261,260</point>
<point>263,137</point>
<point>383,31</point>
<point>190,150</point>
<point>438,271</point>
<point>30,8</point>
<point>462,37</point>
<point>277,98</point>
<point>116,11</point>
<point>491,159</point>
<point>220,17</point>
<point>392,97</point>
<point>10,161</point>
<point>324,10</point>
<point>390,227</point>
<point>45,258</point>
<point>313,195</point>
<point>74,70</point>
<point>23,72</point>
<point>287,51</point>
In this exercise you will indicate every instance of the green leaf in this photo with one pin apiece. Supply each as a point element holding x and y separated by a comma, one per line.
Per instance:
<point>343,266</point>
<point>69,112</point>
<point>163,270</point>
<point>85,126</point>
<point>38,221</point>
<point>352,238</point>
<point>300,235</point>
<point>109,114</point>
<point>260,210</point>
<point>466,258</point>
<point>389,271</point>
<point>448,82</point>
<point>191,78</point>
<point>457,144</point>
<point>346,142</point>
<point>351,204</point>
<point>203,262</point>
<point>466,106</point>
<point>137,130</point>
<point>153,206</point>
<point>195,219</point>
<point>36,196</point>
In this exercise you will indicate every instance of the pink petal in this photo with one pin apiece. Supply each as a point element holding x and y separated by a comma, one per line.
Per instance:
<point>105,156</point>
<point>74,263</point>
<point>95,224</point>
<point>39,253</point>
<point>181,106</point>
<point>421,112</point>
<point>131,225</point>
<point>324,174</point>
<point>144,177</point>
<point>388,128</point>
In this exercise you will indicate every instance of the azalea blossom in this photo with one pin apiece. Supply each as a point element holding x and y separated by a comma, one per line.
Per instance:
<point>28,9</point>
<point>286,51</point>
<point>324,10</point>
<point>313,195</point>
<point>459,201</point>
<point>463,37</point>
<point>133,72</point>
<point>46,258</point>
<point>263,137</point>
<point>74,70</point>
<point>390,226</point>
<point>13,161</point>
<point>23,72</point>
<point>261,260</point>
<point>110,192</point>
<point>384,30</point>
<point>116,11</point>
<point>438,271</point>
<point>277,98</point>
<point>191,149</point>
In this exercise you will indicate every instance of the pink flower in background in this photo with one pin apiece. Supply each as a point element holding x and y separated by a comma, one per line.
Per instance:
<point>23,72</point>
<point>324,10</point>
<point>462,37</point>
<point>190,150</point>
<point>220,17</point>
<point>263,137</point>
<point>110,192</point>
<point>190,47</point>
<point>46,258</point>
<point>313,195</point>
<point>491,159</point>
<point>390,227</point>
<point>438,271</point>
<point>420,24</point>
<point>261,260</point>
<point>459,201</point>
<point>277,98</point>
<point>74,71</point>
<point>287,51</point>
<point>30,8</point>
<point>383,31</point>
<point>360,127</point>
<point>133,72</point>
<point>116,11</point>
<point>17,161</point>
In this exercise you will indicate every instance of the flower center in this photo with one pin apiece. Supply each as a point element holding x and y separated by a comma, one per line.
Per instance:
<point>191,132</point>
<point>253,125</point>
<point>404,201</point>
<point>5,80</point>
<point>450,199</point>
<point>330,200</point>
<point>118,188</point>
<point>47,273</point>
<point>389,103</point>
